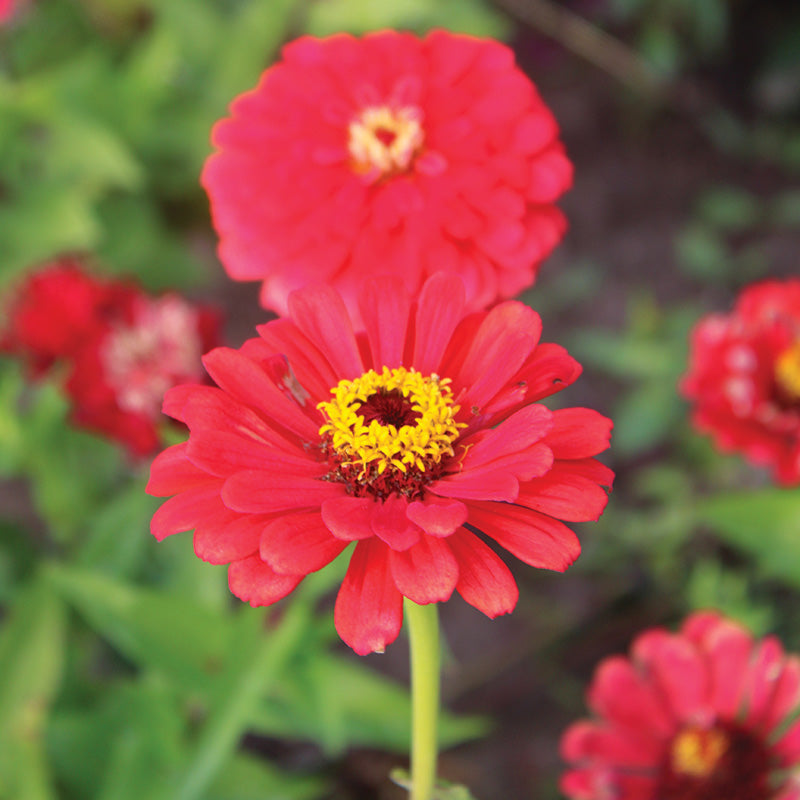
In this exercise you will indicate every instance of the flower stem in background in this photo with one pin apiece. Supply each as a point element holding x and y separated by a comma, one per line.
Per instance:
<point>423,633</point>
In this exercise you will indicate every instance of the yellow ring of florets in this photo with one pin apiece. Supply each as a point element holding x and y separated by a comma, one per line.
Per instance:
<point>375,447</point>
<point>787,371</point>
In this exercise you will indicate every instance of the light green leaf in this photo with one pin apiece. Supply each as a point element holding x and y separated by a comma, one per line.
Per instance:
<point>765,524</point>
<point>170,633</point>
<point>359,16</point>
<point>31,660</point>
<point>248,778</point>
<point>369,710</point>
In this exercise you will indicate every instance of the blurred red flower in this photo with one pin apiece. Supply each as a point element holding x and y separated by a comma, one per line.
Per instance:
<point>704,714</point>
<point>414,439</point>
<point>744,377</point>
<point>121,348</point>
<point>388,154</point>
<point>55,310</point>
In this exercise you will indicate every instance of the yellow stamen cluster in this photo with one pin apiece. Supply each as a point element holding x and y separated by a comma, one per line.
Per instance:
<point>377,446</point>
<point>787,371</point>
<point>384,139</point>
<point>697,751</point>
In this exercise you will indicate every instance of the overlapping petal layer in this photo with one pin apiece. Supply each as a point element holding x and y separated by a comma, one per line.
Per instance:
<point>388,154</point>
<point>703,713</point>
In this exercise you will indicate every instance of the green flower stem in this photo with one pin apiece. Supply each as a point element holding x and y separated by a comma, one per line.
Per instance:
<point>423,634</point>
<point>228,722</point>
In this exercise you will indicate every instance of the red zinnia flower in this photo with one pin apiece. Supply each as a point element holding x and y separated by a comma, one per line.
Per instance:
<point>413,440</point>
<point>122,348</point>
<point>744,377</point>
<point>388,154</point>
<point>705,714</point>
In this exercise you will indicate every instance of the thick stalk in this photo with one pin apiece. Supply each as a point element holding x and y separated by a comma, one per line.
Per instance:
<point>423,634</point>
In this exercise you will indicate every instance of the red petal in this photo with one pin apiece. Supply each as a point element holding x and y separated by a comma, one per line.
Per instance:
<point>506,337</point>
<point>728,649</point>
<point>427,572</point>
<point>256,583</point>
<point>484,581</point>
<point>390,523</point>
<point>572,490</point>
<point>247,382</point>
<point>384,306</point>
<point>509,440</point>
<point>265,491</point>
<point>175,398</point>
<point>439,309</point>
<point>437,517</point>
<point>549,370</point>
<point>349,518</point>
<point>321,315</point>
<point>626,698</point>
<point>593,741</point>
<point>233,541</point>
<point>209,409</point>
<point>578,433</point>
<point>305,360</point>
<point>369,609</point>
<point>171,473</point>
<point>296,544</point>
<point>762,679</point>
<point>534,538</point>
<point>680,673</point>
<point>184,511</point>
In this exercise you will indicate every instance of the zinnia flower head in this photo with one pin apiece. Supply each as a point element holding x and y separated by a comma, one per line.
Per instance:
<point>388,154</point>
<point>744,377</point>
<point>121,348</point>
<point>705,714</point>
<point>415,440</point>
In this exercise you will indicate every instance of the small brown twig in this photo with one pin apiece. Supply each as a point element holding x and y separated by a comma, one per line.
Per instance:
<point>588,41</point>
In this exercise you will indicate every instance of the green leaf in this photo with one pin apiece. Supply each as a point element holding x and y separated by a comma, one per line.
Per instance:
<point>170,633</point>
<point>31,660</point>
<point>360,16</point>
<point>644,417</point>
<point>765,524</point>
<point>364,708</point>
<point>702,253</point>
<point>248,778</point>
<point>444,790</point>
<point>729,208</point>
<point>128,745</point>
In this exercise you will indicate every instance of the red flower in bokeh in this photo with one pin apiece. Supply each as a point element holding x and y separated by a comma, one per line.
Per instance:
<point>744,377</point>
<point>388,154</point>
<point>704,714</point>
<point>56,310</point>
<point>413,439</point>
<point>118,379</point>
<point>121,348</point>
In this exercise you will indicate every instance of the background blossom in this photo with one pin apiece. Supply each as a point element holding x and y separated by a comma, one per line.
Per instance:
<point>415,439</point>
<point>705,713</point>
<point>744,377</point>
<point>121,349</point>
<point>388,154</point>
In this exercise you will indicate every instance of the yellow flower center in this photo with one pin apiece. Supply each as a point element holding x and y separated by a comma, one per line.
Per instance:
<point>787,371</point>
<point>696,752</point>
<point>385,140</point>
<point>389,432</point>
